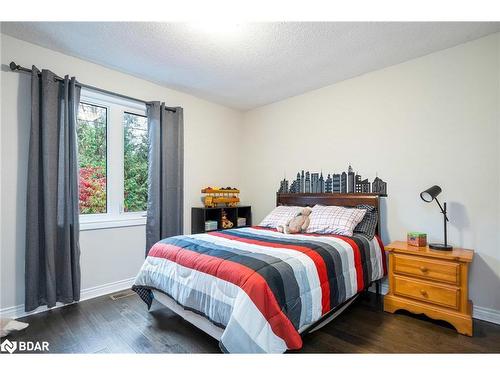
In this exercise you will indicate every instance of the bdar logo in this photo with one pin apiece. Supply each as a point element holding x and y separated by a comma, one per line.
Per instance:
<point>24,346</point>
<point>8,346</point>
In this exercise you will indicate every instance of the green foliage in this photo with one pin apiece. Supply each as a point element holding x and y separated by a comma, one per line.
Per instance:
<point>135,163</point>
<point>91,132</point>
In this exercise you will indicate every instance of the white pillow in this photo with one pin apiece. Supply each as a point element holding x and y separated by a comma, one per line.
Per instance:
<point>334,220</point>
<point>281,215</point>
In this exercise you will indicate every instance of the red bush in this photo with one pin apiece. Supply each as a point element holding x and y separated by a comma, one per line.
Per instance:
<point>92,190</point>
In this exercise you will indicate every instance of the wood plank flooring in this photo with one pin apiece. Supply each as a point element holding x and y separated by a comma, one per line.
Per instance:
<point>103,325</point>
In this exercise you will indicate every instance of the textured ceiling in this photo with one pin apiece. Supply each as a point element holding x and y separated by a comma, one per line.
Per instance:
<point>247,65</point>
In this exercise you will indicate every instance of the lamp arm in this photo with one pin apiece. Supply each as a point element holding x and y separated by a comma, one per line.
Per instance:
<point>442,210</point>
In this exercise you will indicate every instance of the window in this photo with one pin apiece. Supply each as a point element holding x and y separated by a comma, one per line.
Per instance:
<point>135,157</point>
<point>113,160</point>
<point>91,132</point>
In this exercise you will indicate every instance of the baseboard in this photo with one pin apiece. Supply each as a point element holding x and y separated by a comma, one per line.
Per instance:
<point>478,312</point>
<point>15,312</point>
<point>486,314</point>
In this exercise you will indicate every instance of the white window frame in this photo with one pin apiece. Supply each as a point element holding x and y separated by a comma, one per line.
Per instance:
<point>115,215</point>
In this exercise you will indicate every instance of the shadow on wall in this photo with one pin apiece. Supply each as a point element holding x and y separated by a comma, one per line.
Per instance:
<point>384,228</point>
<point>483,276</point>
<point>459,219</point>
<point>482,279</point>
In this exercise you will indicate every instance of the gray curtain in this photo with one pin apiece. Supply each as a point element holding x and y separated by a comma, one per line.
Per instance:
<point>165,174</point>
<point>52,269</point>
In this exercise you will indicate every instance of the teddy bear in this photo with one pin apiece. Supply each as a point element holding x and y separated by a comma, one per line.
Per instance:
<point>298,224</point>
<point>226,223</point>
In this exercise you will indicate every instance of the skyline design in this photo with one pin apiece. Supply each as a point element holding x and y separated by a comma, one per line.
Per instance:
<point>345,183</point>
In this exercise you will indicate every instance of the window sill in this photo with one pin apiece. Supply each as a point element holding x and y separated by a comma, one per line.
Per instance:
<point>112,223</point>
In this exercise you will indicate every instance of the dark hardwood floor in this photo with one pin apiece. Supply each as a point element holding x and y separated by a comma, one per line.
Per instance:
<point>103,325</point>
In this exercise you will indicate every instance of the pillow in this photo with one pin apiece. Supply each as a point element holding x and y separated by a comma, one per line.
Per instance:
<point>368,225</point>
<point>334,220</point>
<point>281,215</point>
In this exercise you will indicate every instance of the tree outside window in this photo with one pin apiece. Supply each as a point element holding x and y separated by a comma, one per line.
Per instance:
<point>135,160</point>
<point>91,132</point>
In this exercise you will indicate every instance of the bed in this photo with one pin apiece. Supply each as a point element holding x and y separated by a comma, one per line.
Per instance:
<point>257,290</point>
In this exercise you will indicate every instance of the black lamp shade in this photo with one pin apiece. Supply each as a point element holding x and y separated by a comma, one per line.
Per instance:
<point>430,194</point>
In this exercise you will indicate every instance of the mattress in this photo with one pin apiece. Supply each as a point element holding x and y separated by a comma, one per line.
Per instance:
<point>260,287</point>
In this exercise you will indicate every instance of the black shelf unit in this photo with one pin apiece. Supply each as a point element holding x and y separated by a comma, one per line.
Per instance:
<point>201,214</point>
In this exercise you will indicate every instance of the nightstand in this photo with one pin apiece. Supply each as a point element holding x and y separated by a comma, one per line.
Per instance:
<point>430,282</point>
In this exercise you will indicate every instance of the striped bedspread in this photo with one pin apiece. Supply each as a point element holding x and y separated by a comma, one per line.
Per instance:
<point>263,287</point>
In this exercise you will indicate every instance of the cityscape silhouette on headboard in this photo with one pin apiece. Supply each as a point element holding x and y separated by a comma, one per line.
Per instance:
<point>345,183</point>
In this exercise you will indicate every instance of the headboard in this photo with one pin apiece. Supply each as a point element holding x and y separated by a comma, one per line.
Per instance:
<point>335,199</point>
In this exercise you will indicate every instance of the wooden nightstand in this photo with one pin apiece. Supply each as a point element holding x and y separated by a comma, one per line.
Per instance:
<point>430,282</point>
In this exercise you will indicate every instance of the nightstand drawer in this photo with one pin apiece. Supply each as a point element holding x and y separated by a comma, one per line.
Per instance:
<point>427,268</point>
<point>442,295</point>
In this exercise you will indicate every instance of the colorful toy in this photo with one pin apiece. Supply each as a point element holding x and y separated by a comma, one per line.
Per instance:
<point>214,196</point>
<point>417,239</point>
<point>226,223</point>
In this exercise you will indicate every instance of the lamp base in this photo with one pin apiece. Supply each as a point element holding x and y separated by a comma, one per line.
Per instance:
<point>440,246</point>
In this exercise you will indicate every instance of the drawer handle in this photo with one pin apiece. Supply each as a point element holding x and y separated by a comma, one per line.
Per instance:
<point>424,269</point>
<point>423,292</point>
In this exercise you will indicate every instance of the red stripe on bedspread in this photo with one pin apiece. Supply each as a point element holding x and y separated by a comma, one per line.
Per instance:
<point>357,261</point>
<point>355,248</point>
<point>252,283</point>
<point>357,255</point>
<point>315,257</point>
<point>356,252</point>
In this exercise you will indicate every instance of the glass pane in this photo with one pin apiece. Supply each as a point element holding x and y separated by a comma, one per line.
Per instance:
<point>91,131</point>
<point>135,129</point>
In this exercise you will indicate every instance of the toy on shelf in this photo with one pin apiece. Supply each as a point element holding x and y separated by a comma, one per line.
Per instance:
<point>226,223</point>
<point>214,196</point>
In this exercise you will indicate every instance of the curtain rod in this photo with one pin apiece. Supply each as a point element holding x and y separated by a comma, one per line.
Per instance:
<point>15,67</point>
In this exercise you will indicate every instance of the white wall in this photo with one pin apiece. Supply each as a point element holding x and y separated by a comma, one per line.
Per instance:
<point>108,255</point>
<point>432,120</point>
